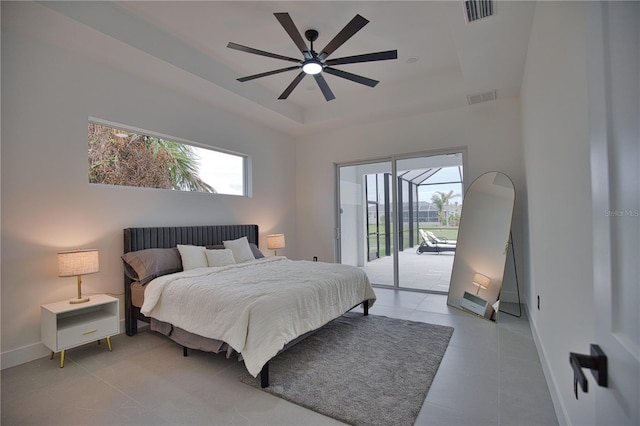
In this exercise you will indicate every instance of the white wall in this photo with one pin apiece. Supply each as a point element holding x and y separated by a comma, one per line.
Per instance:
<point>47,204</point>
<point>491,131</point>
<point>558,224</point>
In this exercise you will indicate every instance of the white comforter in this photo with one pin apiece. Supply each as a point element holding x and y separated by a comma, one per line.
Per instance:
<point>258,306</point>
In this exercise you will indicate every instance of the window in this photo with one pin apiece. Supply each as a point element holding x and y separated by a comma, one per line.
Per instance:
<point>121,157</point>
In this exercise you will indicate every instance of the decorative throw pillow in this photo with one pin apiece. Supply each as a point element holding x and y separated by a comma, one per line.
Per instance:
<point>256,251</point>
<point>220,257</point>
<point>192,257</point>
<point>145,265</point>
<point>240,248</point>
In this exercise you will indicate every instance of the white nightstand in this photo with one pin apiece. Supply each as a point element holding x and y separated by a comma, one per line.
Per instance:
<point>65,325</point>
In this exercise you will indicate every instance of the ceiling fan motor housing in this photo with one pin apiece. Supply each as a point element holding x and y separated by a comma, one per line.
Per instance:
<point>312,66</point>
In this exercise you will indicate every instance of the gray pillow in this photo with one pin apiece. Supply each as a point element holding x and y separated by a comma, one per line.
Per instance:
<point>145,265</point>
<point>256,251</point>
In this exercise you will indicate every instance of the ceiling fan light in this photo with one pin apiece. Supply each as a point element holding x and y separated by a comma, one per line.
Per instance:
<point>312,67</point>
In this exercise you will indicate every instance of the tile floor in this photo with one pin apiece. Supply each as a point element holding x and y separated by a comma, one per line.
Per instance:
<point>490,375</point>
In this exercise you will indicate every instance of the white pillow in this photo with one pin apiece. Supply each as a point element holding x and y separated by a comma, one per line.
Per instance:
<point>192,257</point>
<point>220,257</point>
<point>240,248</point>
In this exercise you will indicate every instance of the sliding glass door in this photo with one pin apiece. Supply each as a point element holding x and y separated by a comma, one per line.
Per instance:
<point>386,208</point>
<point>366,219</point>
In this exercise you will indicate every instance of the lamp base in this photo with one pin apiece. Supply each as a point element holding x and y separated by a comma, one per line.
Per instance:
<point>79,300</point>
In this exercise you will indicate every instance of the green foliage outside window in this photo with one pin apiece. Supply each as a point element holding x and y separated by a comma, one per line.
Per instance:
<point>130,159</point>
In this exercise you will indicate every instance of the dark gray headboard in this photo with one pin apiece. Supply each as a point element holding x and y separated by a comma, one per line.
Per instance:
<point>170,236</point>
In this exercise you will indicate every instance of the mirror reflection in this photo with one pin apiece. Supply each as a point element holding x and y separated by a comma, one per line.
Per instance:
<point>482,246</point>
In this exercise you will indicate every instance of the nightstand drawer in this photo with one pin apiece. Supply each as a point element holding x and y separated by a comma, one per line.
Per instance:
<point>101,325</point>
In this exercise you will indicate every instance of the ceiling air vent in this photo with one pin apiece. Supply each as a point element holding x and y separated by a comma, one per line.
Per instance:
<point>478,9</point>
<point>481,97</point>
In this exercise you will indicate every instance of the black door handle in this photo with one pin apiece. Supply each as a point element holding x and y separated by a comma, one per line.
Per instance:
<point>596,362</point>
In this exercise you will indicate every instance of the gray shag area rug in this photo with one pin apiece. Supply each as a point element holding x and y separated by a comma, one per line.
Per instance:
<point>361,370</point>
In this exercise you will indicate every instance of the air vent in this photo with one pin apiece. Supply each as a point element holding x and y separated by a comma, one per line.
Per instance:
<point>481,97</point>
<point>478,9</point>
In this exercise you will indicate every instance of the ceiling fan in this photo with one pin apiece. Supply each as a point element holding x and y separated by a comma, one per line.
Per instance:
<point>314,63</point>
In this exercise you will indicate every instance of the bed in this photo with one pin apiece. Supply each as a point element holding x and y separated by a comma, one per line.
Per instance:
<point>255,307</point>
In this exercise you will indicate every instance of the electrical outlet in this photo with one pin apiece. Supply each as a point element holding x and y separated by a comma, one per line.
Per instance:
<point>538,302</point>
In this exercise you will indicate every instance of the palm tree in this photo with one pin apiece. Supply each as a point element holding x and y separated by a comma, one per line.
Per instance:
<point>144,161</point>
<point>440,199</point>
<point>182,165</point>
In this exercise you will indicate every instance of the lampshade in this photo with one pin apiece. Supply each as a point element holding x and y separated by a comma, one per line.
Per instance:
<point>275,241</point>
<point>481,281</point>
<point>78,262</point>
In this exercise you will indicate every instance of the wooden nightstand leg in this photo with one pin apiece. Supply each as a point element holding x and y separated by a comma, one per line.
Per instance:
<point>109,343</point>
<point>62,359</point>
<point>52,354</point>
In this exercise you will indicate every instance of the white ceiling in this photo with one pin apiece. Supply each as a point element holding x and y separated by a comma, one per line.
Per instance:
<point>184,43</point>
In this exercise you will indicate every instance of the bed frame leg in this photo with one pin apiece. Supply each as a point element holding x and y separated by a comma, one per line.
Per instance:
<point>264,376</point>
<point>365,306</point>
<point>185,351</point>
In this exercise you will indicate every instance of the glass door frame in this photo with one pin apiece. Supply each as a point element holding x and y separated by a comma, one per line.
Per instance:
<point>377,233</point>
<point>397,212</point>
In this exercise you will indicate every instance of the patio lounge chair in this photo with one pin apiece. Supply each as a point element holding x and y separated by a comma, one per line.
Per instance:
<point>430,244</point>
<point>441,240</point>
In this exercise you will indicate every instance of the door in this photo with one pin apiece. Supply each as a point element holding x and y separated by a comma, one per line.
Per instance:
<point>365,219</point>
<point>382,207</point>
<point>613,37</point>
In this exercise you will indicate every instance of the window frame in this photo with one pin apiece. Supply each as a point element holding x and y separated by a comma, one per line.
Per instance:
<point>246,159</point>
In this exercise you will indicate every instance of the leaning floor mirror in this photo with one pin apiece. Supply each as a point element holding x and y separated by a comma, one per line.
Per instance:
<point>482,247</point>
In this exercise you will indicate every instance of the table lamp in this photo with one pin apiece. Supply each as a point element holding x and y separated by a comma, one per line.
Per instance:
<point>481,281</point>
<point>275,242</point>
<point>78,263</point>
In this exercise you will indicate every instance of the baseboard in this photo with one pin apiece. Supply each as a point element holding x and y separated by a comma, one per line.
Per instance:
<point>558,405</point>
<point>23,355</point>
<point>28,353</point>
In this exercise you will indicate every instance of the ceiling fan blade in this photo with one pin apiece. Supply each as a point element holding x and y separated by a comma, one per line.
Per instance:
<point>326,91</point>
<point>353,77</point>
<point>260,52</point>
<point>291,29</point>
<point>367,57</point>
<point>292,86</point>
<point>345,34</point>
<point>265,74</point>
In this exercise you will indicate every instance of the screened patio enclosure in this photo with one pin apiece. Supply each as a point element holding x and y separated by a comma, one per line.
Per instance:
<point>383,205</point>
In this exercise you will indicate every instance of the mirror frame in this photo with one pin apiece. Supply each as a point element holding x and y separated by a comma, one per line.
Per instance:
<point>482,245</point>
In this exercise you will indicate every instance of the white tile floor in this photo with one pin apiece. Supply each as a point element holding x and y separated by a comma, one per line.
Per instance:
<point>490,375</point>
